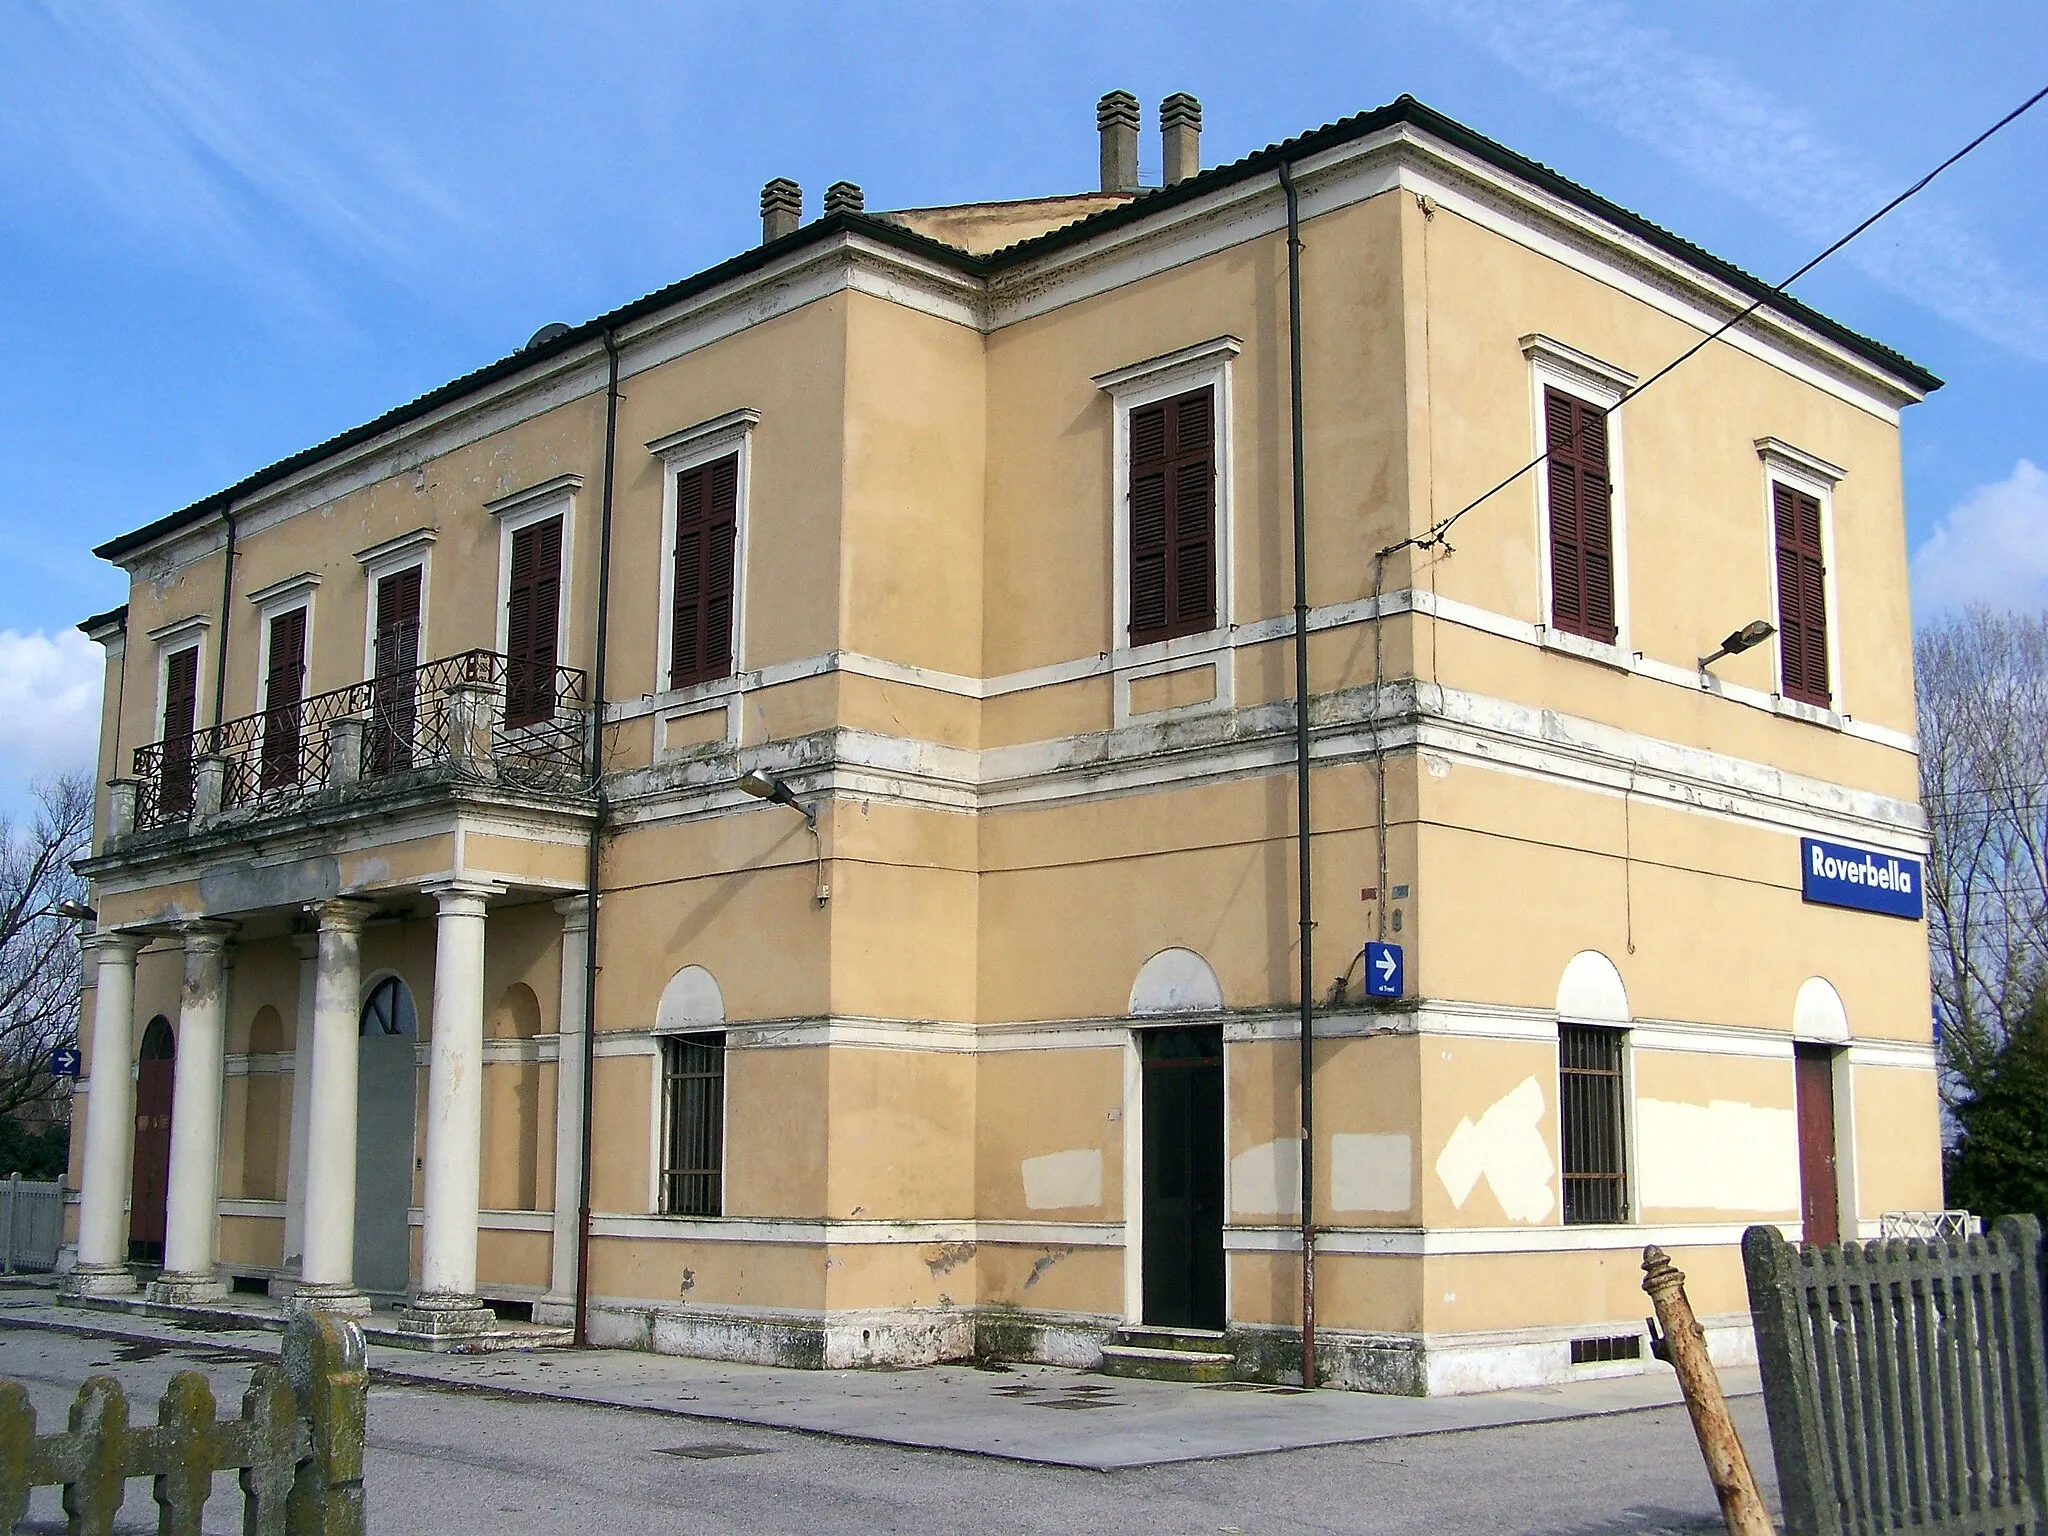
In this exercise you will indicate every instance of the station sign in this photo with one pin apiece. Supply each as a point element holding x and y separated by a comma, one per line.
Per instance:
<point>1836,875</point>
<point>1383,970</point>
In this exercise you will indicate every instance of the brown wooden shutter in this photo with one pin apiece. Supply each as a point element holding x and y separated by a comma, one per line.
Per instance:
<point>531,623</point>
<point>284,686</point>
<point>1802,596</point>
<point>707,531</point>
<point>181,713</point>
<point>1173,517</point>
<point>398,622</point>
<point>1581,517</point>
<point>394,716</point>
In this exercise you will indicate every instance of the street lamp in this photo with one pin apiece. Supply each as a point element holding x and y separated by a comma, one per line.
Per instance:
<point>1754,633</point>
<point>775,792</point>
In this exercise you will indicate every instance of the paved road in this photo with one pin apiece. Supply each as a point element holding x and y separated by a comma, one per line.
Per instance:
<point>455,1462</point>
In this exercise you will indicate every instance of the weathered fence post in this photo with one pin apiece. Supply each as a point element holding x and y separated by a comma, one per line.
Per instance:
<point>329,1369</point>
<point>1685,1346</point>
<point>99,1420</point>
<point>13,1201</point>
<point>270,1412</point>
<point>17,1452</point>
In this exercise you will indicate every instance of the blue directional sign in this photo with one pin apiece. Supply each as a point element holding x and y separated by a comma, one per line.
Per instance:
<point>1836,875</point>
<point>64,1061</point>
<point>1383,970</point>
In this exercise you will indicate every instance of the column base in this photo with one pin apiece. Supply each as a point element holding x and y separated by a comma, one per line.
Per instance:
<point>99,1280</point>
<point>186,1290</point>
<point>345,1299</point>
<point>441,1316</point>
<point>555,1311</point>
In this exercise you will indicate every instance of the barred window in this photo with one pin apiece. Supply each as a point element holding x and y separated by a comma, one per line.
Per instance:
<point>693,1136</point>
<point>1591,1124</point>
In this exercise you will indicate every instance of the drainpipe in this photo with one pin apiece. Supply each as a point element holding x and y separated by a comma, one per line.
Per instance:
<point>590,862</point>
<point>220,651</point>
<point>1301,821</point>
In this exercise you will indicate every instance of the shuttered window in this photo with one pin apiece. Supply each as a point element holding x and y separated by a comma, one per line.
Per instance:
<point>181,713</point>
<point>1802,595</point>
<point>532,620</point>
<point>1173,517</point>
<point>284,687</point>
<point>394,717</point>
<point>707,531</point>
<point>693,1139</point>
<point>1581,517</point>
<point>1591,1124</point>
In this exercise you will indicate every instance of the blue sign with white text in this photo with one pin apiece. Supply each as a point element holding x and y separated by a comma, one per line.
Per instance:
<point>1383,971</point>
<point>64,1061</point>
<point>1839,876</point>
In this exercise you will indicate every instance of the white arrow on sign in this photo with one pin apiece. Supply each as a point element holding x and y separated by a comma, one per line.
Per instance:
<point>1385,963</point>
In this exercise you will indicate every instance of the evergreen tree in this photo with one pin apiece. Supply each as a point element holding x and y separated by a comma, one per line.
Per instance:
<point>1999,1164</point>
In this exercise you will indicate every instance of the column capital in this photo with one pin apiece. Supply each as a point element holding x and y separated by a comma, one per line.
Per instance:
<point>461,897</point>
<point>574,912</point>
<point>206,933</point>
<point>115,939</point>
<point>343,914</point>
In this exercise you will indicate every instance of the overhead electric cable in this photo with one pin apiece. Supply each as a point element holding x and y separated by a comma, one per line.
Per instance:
<point>1437,531</point>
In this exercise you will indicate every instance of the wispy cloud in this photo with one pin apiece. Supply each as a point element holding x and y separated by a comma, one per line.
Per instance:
<point>1991,548</point>
<point>1735,137</point>
<point>49,705</point>
<point>192,133</point>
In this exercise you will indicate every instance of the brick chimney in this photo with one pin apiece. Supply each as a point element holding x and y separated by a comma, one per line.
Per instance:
<point>1116,118</point>
<point>782,209</point>
<point>1180,133</point>
<point>843,197</point>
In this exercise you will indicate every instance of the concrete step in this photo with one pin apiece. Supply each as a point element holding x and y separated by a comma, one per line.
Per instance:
<point>1166,1364</point>
<point>1199,1340</point>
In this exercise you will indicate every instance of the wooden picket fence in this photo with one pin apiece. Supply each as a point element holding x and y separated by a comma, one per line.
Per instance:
<point>298,1445</point>
<point>1905,1381</point>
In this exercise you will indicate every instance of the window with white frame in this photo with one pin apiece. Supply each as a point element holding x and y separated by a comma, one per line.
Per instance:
<point>533,578</point>
<point>1580,521</point>
<point>705,473</point>
<point>693,1125</point>
<point>1799,495</point>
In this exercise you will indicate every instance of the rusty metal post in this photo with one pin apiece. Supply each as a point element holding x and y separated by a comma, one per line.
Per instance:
<point>1685,1345</point>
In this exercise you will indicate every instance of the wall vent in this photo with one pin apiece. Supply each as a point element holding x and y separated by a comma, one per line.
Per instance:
<point>1603,1350</point>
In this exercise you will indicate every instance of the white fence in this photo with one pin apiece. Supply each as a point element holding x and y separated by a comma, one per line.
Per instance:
<point>31,1225</point>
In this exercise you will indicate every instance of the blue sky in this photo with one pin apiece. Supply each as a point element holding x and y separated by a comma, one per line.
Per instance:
<point>228,231</point>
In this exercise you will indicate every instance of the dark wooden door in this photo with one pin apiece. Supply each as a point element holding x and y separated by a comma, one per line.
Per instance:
<point>150,1189</point>
<point>1183,1178</point>
<point>394,713</point>
<point>1819,1188</point>
<point>284,691</point>
<point>181,712</point>
<point>532,620</point>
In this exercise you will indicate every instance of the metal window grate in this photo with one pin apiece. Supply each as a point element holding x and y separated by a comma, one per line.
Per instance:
<point>1602,1350</point>
<point>1590,1114</point>
<point>693,1141</point>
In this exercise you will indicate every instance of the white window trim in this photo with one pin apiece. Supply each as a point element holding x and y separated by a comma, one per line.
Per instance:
<point>187,634</point>
<point>388,559</point>
<point>1631,1199</point>
<point>274,602</point>
<point>731,433</point>
<point>1554,365</point>
<point>1205,364</point>
<point>522,509</point>
<point>658,1119</point>
<point>1817,478</point>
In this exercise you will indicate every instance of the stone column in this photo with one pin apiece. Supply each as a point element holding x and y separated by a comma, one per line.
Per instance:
<point>559,1305</point>
<point>192,1225</point>
<point>447,1301</point>
<point>308,946</point>
<point>109,1124</point>
<point>327,1267</point>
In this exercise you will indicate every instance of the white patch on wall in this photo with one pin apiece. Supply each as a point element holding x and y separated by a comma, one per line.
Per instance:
<point>691,998</point>
<point>1505,1147</point>
<point>1591,990</point>
<point>1063,1181</point>
<point>1718,1156</point>
<point>1372,1173</point>
<point>1818,1014</point>
<point>1266,1180</point>
<point>1176,981</point>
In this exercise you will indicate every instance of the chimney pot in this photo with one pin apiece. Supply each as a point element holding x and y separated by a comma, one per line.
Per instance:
<point>782,209</point>
<point>1116,118</point>
<point>843,197</point>
<point>1180,134</point>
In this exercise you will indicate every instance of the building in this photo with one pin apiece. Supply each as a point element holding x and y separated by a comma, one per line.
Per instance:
<point>894,625</point>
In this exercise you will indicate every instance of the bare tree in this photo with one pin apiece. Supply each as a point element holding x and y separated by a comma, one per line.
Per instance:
<point>1983,697</point>
<point>39,959</point>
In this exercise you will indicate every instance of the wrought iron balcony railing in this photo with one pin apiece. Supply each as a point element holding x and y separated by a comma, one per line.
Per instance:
<point>476,715</point>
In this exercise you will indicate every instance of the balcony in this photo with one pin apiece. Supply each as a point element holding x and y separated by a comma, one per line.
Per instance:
<point>472,720</point>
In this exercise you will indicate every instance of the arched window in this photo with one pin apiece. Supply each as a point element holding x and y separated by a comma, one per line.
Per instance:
<point>388,1010</point>
<point>158,1043</point>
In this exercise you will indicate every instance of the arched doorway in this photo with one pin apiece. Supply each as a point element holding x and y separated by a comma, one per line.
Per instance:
<point>150,1184</point>
<point>387,1082</point>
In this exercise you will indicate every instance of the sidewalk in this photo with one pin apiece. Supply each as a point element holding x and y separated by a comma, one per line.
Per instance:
<point>1029,1413</point>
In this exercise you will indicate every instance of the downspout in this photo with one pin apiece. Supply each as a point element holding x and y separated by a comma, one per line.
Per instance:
<point>1306,899</point>
<point>220,651</point>
<point>590,862</point>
